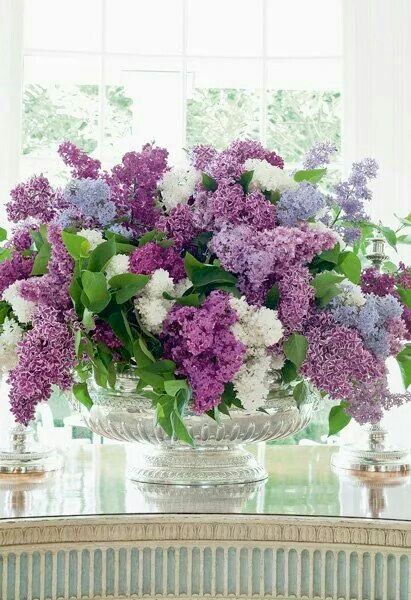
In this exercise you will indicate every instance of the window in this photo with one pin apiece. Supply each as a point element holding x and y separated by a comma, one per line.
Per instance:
<point>111,75</point>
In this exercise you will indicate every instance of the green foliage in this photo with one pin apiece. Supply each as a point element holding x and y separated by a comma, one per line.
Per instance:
<point>350,265</point>
<point>76,245</point>
<point>3,234</point>
<point>404,362</point>
<point>273,297</point>
<point>300,392</point>
<point>312,176</point>
<point>208,182</point>
<point>338,419</point>
<point>245,180</point>
<point>205,277</point>
<point>295,349</point>
<point>95,293</point>
<point>325,287</point>
<point>101,255</point>
<point>82,395</point>
<point>127,285</point>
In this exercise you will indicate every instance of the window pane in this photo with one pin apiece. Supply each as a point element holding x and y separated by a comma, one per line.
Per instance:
<point>305,74</point>
<point>60,102</point>
<point>301,28</point>
<point>147,27</point>
<point>223,101</point>
<point>54,25</point>
<point>148,104</point>
<point>298,119</point>
<point>229,28</point>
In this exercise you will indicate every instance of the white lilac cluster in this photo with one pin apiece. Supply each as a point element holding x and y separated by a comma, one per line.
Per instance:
<point>177,185</point>
<point>23,309</point>
<point>118,265</point>
<point>151,304</point>
<point>258,329</point>
<point>267,177</point>
<point>10,336</point>
<point>351,294</point>
<point>93,236</point>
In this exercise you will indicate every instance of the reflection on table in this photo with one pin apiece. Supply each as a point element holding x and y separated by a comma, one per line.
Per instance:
<point>93,481</point>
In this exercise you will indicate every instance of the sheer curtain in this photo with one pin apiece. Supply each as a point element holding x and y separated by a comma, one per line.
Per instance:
<point>377,123</point>
<point>11,76</point>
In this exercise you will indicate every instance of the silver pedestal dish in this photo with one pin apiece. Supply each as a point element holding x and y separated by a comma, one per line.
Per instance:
<point>218,456</point>
<point>24,455</point>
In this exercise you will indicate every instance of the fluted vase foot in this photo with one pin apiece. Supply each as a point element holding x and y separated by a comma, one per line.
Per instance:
<point>196,466</point>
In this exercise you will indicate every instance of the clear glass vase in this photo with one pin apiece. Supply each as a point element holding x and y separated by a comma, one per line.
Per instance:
<point>218,455</point>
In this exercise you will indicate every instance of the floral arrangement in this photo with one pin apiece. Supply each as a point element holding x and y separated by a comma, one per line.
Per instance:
<point>213,282</point>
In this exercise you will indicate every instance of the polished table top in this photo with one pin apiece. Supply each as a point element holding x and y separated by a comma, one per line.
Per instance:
<point>93,482</point>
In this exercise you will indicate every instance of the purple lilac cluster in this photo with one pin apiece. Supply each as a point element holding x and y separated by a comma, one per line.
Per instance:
<point>33,199</point>
<point>228,165</point>
<point>104,334</point>
<point>200,342</point>
<point>319,155</point>
<point>351,194</point>
<point>51,290</point>
<point>378,322</point>
<point>258,257</point>
<point>152,256</point>
<point>368,400</point>
<point>21,238</point>
<point>300,204</point>
<point>337,357</point>
<point>179,226</point>
<point>46,358</point>
<point>229,205</point>
<point>374,282</point>
<point>82,165</point>
<point>88,204</point>
<point>15,269</point>
<point>296,297</point>
<point>133,185</point>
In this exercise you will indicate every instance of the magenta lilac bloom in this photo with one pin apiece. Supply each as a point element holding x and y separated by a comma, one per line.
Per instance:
<point>14,269</point>
<point>152,256</point>
<point>179,225</point>
<point>46,358</point>
<point>35,198</point>
<point>369,400</point>
<point>374,282</point>
<point>82,165</point>
<point>52,290</point>
<point>296,296</point>
<point>200,342</point>
<point>103,333</point>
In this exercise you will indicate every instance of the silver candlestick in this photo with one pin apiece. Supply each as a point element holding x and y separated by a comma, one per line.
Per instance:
<point>24,455</point>
<point>375,454</point>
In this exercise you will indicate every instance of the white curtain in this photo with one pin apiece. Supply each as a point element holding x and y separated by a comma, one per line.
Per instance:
<point>377,97</point>
<point>377,123</point>
<point>11,77</point>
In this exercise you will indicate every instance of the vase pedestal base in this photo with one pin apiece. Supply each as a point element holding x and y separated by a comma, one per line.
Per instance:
<point>375,455</point>
<point>196,466</point>
<point>24,456</point>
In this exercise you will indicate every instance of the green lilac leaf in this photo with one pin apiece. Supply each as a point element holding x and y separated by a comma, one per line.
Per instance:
<point>208,182</point>
<point>404,362</point>
<point>76,245</point>
<point>337,420</point>
<point>350,265</point>
<point>101,255</point>
<point>311,175</point>
<point>95,288</point>
<point>82,395</point>
<point>295,349</point>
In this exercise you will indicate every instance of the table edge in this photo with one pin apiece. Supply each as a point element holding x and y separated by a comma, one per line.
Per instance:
<point>198,528</point>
